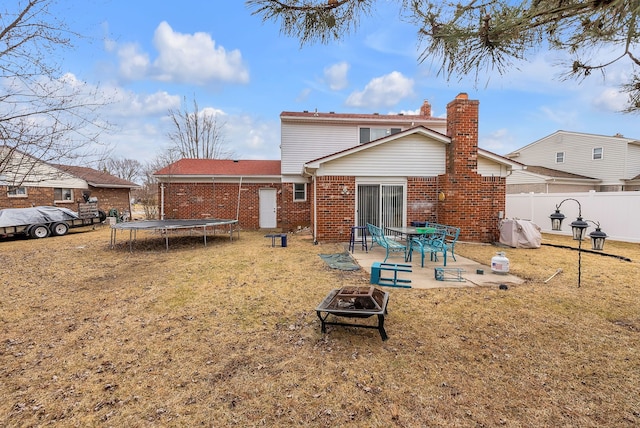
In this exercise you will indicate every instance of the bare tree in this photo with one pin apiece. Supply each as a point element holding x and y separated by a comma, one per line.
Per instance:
<point>127,169</point>
<point>469,37</point>
<point>45,115</point>
<point>197,134</point>
<point>147,194</point>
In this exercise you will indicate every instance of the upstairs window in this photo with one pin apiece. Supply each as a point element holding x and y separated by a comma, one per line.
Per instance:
<point>60,194</point>
<point>17,192</point>
<point>597,153</point>
<point>299,192</point>
<point>559,157</point>
<point>371,134</point>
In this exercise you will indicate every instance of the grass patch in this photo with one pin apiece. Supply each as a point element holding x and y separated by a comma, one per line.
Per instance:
<point>227,335</point>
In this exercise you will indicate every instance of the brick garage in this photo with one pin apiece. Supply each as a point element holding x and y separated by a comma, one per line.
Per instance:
<point>216,200</point>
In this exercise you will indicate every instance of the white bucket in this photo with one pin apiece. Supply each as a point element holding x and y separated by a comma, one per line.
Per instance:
<point>499,263</point>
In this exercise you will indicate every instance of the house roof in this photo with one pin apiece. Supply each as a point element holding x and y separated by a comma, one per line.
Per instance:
<point>555,173</point>
<point>221,167</point>
<point>96,178</point>
<point>408,120</point>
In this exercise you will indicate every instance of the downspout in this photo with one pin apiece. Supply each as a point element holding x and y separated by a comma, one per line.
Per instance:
<point>315,210</point>
<point>130,206</point>
<point>239,190</point>
<point>161,201</point>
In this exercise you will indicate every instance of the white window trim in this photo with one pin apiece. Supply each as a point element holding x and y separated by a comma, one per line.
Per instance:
<point>65,201</point>
<point>304,199</point>
<point>563,157</point>
<point>593,153</point>
<point>25,195</point>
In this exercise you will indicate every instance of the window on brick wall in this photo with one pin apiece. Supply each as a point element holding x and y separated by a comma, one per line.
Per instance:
<point>16,191</point>
<point>299,192</point>
<point>61,194</point>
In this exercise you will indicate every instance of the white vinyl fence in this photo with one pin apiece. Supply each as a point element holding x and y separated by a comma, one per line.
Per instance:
<point>617,212</point>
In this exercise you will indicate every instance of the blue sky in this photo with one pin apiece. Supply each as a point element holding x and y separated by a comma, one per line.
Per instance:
<point>147,56</point>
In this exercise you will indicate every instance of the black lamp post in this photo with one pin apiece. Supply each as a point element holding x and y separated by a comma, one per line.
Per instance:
<point>578,228</point>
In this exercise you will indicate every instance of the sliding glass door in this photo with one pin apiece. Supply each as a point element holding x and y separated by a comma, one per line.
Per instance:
<point>380,204</point>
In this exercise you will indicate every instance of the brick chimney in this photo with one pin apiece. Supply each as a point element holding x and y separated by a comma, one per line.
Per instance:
<point>472,202</point>
<point>462,128</point>
<point>425,110</point>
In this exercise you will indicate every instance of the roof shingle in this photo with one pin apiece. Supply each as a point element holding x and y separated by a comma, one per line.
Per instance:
<point>224,167</point>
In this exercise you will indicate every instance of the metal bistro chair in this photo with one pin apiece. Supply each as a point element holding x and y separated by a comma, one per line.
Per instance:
<point>430,243</point>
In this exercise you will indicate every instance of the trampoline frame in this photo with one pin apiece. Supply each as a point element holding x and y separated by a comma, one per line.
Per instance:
<point>165,226</point>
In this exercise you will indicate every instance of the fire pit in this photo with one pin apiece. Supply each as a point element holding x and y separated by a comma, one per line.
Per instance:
<point>354,302</point>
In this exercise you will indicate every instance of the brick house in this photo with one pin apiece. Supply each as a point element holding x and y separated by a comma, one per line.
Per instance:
<point>27,182</point>
<point>340,170</point>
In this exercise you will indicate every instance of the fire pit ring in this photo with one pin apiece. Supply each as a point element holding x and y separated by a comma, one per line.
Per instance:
<point>354,302</point>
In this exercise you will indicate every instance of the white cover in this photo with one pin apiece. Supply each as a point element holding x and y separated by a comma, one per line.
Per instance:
<point>520,233</point>
<point>10,217</point>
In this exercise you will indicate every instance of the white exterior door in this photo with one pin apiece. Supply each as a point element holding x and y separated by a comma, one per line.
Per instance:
<point>268,209</point>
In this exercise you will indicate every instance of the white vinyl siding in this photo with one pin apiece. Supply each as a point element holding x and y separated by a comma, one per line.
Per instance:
<point>633,160</point>
<point>488,168</point>
<point>410,156</point>
<point>305,140</point>
<point>578,149</point>
<point>302,143</point>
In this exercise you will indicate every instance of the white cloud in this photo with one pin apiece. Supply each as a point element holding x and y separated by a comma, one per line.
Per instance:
<point>336,76</point>
<point>251,138</point>
<point>129,104</point>
<point>385,91</point>
<point>611,99</point>
<point>564,117</point>
<point>497,141</point>
<point>184,58</point>
<point>134,64</point>
<point>194,58</point>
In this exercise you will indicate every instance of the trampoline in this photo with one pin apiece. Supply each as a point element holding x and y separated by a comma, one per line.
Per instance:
<point>165,226</point>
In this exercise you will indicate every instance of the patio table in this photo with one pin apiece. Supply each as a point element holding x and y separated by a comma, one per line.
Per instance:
<point>409,233</point>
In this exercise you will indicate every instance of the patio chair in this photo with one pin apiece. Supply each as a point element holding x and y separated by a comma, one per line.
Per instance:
<point>433,244</point>
<point>452,234</point>
<point>390,245</point>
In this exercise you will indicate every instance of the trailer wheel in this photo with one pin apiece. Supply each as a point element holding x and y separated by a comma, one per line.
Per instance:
<point>39,231</point>
<point>102,216</point>
<point>59,229</point>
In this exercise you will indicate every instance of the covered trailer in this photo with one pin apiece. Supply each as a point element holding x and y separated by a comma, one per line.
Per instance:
<point>41,222</point>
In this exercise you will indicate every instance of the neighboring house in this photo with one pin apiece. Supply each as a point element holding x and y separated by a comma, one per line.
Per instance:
<point>26,182</point>
<point>577,162</point>
<point>341,170</point>
<point>539,179</point>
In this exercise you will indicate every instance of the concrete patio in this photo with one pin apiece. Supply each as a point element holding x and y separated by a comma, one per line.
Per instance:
<point>425,277</point>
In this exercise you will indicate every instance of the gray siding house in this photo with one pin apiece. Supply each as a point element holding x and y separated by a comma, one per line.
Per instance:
<point>577,162</point>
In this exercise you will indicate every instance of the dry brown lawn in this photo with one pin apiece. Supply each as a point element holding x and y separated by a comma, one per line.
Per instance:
<point>227,335</point>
